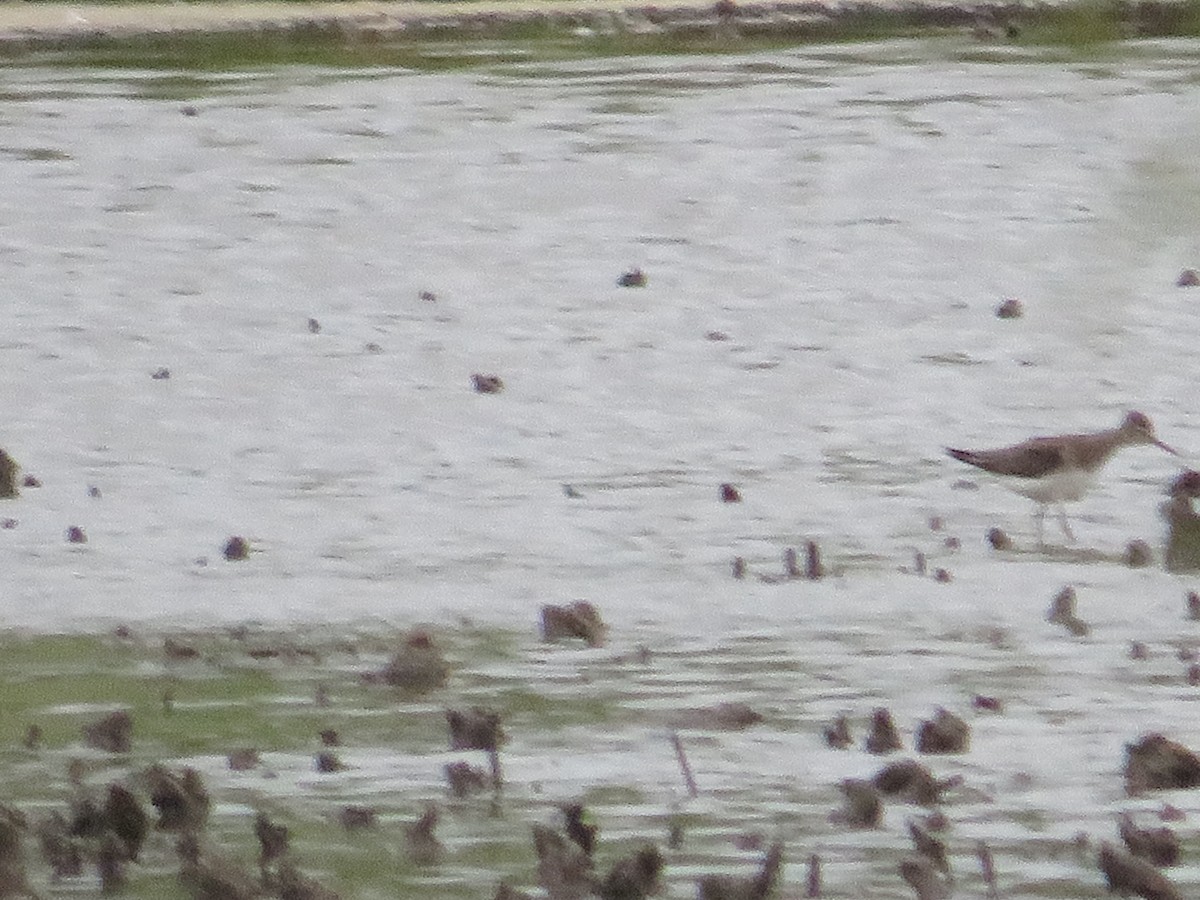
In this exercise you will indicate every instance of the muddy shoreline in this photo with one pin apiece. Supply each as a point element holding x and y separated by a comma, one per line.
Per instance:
<point>37,25</point>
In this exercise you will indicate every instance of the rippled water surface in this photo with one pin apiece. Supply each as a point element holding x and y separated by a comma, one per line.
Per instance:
<point>826,234</point>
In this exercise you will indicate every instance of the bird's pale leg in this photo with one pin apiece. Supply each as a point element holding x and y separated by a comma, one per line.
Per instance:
<point>1066,526</point>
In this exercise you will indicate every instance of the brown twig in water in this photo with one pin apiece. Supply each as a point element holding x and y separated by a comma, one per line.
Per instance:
<point>693,791</point>
<point>989,869</point>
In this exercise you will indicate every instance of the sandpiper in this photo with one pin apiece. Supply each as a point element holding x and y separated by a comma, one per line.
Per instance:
<point>1062,468</point>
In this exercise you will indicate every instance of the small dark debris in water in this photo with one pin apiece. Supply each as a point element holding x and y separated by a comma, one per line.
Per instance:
<point>739,568</point>
<point>730,494</point>
<point>123,633</point>
<point>936,523</point>
<point>8,524</point>
<point>920,564</point>
<point>987,704</point>
<point>189,111</point>
<point>1011,308</point>
<point>272,839</point>
<point>633,877</point>
<point>113,733</point>
<point>31,481</point>
<point>418,665</point>
<point>755,887</point>
<point>427,296</point>
<point>577,826</point>
<point>314,327</point>
<point>236,548</point>
<point>716,336</point>
<point>465,779</point>
<point>175,651</point>
<point>571,492</point>
<point>928,846</point>
<point>1138,651</point>
<point>952,543</point>
<point>942,576</point>
<point>862,804</point>
<point>998,539</point>
<point>33,738</point>
<point>372,347</point>
<point>576,620</point>
<point>327,761</point>
<point>908,780</point>
<point>944,733</point>
<point>1193,606</point>
<point>93,492</point>
<point>487,384</point>
<point>685,767</point>
<point>1138,554</point>
<point>8,475</point>
<point>330,737</point>
<point>813,570</point>
<point>1062,612</point>
<point>1126,874</point>
<point>75,535</point>
<point>883,737</point>
<point>964,484</point>
<point>353,818</point>
<point>161,374</point>
<point>243,759</point>
<point>1159,846</point>
<point>423,846</point>
<point>923,878</point>
<point>837,734</point>
<point>632,278</point>
<point>476,728</point>
<point>1193,675</point>
<point>1156,762</point>
<point>1188,278</point>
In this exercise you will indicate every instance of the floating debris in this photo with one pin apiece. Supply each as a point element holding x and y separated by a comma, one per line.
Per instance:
<point>31,481</point>
<point>314,327</point>
<point>813,570</point>
<point>987,704</point>
<point>1155,762</point>
<point>328,762</point>
<point>75,535</point>
<point>945,733</point>
<point>837,734</point>
<point>684,766</point>
<point>576,620</point>
<point>113,733</point>
<point>161,374</point>
<point>236,548</point>
<point>1010,308</point>
<point>427,296</point>
<point>633,278</point>
<point>739,568</point>
<point>883,737</point>
<point>1126,874</point>
<point>487,384</point>
<point>1188,278</point>
<point>730,494</point>
<point>1062,612</point>
<point>571,492</point>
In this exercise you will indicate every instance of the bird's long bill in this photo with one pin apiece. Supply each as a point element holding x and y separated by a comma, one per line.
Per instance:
<point>1163,446</point>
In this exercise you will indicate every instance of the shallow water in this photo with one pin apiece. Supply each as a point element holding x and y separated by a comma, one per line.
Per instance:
<point>847,218</point>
